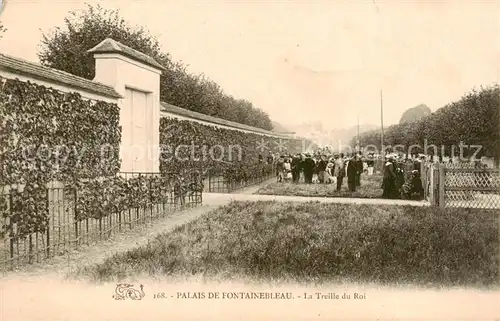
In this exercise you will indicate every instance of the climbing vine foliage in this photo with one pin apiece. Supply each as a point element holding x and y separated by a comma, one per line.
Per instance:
<point>47,135</point>
<point>230,153</point>
<point>106,196</point>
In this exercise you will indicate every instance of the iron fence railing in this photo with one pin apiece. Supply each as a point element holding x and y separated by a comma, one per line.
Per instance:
<point>66,232</point>
<point>229,180</point>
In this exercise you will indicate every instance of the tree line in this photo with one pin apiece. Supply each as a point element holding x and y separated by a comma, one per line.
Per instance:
<point>65,49</point>
<point>472,121</point>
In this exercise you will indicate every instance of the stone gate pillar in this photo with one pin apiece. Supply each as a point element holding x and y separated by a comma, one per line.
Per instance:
<point>136,77</point>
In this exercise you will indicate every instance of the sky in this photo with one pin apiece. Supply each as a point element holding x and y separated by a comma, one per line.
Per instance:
<point>307,61</point>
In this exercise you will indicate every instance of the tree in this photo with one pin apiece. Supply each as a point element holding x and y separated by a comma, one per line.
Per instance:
<point>2,30</point>
<point>472,120</point>
<point>415,113</point>
<point>65,49</point>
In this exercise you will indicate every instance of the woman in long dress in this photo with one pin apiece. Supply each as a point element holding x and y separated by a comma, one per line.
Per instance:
<point>280,165</point>
<point>388,183</point>
<point>399,168</point>
<point>351,172</point>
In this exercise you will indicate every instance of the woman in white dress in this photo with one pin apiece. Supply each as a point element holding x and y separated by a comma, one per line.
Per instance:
<point>287,171</point>
<point>329,175</point>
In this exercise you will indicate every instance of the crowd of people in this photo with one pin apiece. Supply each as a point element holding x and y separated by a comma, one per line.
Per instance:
<point>322,168</point>
<point>401,175</point>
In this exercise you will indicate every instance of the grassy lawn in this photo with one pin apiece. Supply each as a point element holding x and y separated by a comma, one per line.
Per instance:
<point>316,243</point>
<point>370,188</point>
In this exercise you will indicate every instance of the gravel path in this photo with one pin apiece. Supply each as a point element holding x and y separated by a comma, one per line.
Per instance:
<point>220,199</point>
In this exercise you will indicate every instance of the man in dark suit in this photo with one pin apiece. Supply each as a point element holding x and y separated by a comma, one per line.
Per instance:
<point>270,158</point>
<point>296,166</point>
<point>308,167</point>
<point>359,166</point>
<point>339,170</point>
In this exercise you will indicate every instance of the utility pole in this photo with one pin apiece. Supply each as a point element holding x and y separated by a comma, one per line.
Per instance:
<point>381,122</point>
<point>358,147</point>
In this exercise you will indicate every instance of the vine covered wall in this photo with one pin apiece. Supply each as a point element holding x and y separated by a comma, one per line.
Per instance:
<point>187,145</point>
<point>49,135</point>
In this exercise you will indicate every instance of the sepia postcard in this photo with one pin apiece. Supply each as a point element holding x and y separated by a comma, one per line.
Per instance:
<point>249,160</point>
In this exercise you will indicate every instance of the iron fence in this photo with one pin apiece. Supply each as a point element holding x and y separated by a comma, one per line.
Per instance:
<point>65,231</point>
<point>229,180</point>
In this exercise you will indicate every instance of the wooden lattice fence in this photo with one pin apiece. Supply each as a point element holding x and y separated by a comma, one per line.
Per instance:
<point>462,185</point>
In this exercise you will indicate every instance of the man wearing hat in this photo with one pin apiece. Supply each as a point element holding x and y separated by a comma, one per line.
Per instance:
<point>270,158</point>
<point>359,164</point>
<point>339,170</point>
<point>308,166</point>
<point>296,162</point>
<point>322,168</point>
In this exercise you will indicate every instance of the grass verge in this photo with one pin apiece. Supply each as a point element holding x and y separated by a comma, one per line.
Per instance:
<point>317,243</point>
<point>370,188</point>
